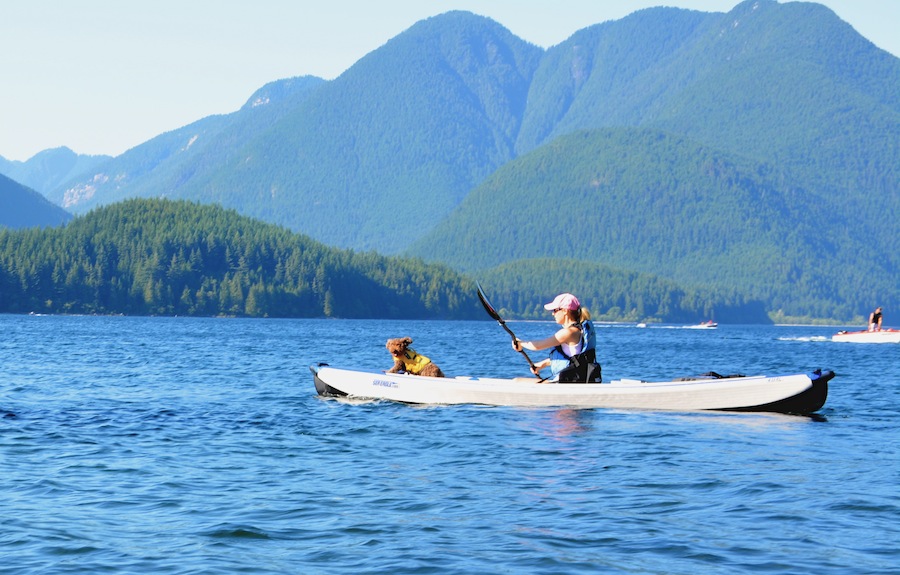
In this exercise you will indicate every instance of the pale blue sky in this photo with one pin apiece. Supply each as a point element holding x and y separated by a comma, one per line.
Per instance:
<point>102,76</point>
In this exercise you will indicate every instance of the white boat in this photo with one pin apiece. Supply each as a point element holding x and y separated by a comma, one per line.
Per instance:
<point>881,336</point>
<point>796,393</point>
<point>703,325</point>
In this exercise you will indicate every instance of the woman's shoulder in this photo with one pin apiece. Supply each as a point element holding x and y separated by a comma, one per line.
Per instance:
<point>572,331</point>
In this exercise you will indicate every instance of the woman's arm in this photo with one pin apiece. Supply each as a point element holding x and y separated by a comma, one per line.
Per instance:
<point>569,335</point>
<point>540,365</point>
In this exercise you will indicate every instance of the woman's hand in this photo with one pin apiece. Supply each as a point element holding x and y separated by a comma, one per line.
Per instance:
<point>536,370</point>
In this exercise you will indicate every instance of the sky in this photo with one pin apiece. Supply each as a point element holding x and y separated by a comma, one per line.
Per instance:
<point>103,76</point>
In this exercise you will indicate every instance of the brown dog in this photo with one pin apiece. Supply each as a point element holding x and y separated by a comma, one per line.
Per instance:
<point>406,359</point>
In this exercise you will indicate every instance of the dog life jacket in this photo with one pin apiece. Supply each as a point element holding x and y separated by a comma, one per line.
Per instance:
<point>413,362</point>
<point>578,364</point>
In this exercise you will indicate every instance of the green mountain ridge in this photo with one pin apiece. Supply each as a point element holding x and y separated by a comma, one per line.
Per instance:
<point>340,143</point>
<point>717,221</point>
<point>794,112</point>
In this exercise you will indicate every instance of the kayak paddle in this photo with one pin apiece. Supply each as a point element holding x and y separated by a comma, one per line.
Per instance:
<point>493,313</point>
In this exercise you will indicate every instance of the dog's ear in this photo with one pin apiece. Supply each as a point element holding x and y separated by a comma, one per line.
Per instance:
<point>407,340</point>
<point>388,344</point>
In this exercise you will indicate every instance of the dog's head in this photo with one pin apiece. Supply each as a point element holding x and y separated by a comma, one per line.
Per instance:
<point>398,346</point>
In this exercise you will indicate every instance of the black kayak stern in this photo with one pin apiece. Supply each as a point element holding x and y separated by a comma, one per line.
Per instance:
<point>803,403</point>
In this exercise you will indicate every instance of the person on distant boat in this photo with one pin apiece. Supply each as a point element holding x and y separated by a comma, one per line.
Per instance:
<point>573,354</point>
<point>875,320</point>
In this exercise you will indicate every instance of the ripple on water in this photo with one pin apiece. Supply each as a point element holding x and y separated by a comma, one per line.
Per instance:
<point>198,447</point>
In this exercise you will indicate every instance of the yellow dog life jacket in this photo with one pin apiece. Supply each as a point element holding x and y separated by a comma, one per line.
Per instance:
<point>413,362</point>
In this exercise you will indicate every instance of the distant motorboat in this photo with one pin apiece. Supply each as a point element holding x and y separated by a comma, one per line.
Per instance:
<point>864,336</point>
<point>704,325</point>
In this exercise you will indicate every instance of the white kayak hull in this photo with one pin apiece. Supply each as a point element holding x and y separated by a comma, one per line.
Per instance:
<point>796,393</point>
<point>883,336</point>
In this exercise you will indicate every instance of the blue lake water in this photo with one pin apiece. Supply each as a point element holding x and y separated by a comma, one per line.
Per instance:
<point>198,446</point>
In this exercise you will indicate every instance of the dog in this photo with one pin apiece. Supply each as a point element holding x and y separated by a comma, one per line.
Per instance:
<point>407,360</point>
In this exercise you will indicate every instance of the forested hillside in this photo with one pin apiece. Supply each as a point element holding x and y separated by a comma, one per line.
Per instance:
<point>521,288</point>
<point>426,117</point>
<point>22,207</point>
<point>162,257</point>
<point>789,86</point>
<point>148,257</point>
<point>657,203</point>
<point>418,123</point>
<point>794,116</point>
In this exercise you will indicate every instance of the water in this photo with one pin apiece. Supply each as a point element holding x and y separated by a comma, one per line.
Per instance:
<point>198,446</point>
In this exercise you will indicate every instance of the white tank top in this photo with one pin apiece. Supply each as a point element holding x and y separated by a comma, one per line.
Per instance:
<point>571,349</point>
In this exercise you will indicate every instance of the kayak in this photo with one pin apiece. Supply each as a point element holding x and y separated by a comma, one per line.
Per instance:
<point>883,336</point>
<point>800,393</point>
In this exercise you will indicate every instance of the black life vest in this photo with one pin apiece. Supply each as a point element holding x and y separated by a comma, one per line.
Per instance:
<point>582,367</point>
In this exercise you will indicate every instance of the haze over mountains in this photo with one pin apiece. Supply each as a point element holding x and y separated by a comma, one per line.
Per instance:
<point>756,151</point>
<point>51,168</point>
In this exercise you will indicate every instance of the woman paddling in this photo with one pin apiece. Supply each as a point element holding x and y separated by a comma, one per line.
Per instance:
<point>573,355</point>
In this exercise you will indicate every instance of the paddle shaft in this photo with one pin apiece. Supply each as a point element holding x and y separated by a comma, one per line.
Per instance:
<point>493,313</point>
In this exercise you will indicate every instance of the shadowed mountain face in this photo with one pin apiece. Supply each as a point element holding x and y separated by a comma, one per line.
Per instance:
<point>23,207</point>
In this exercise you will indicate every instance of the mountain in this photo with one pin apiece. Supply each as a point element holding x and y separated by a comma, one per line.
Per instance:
<point>657,203</point>
<point>25,208</point>
<point>165,165</point>
<point>798,108</point>
<point>430,114</point>
<point>50,168</point>
<point>789,85</point>
<point>410,127</point>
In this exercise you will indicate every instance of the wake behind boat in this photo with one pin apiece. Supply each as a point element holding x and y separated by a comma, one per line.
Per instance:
<point>800,393</point>
<point>879,336</point>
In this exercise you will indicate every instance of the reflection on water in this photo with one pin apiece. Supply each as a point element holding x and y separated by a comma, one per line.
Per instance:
<point>565,423</point>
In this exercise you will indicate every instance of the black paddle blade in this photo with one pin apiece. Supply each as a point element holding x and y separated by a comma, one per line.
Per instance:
<point>487,305</point>
<point>493,313</point>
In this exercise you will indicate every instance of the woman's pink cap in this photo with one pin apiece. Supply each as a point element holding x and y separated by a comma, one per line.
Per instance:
<point>564,301</point>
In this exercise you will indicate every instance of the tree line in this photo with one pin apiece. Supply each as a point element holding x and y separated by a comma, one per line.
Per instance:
<point>161,257</point>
